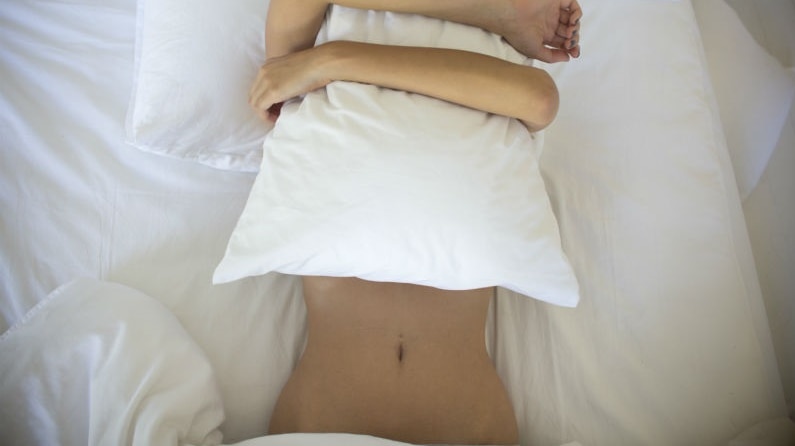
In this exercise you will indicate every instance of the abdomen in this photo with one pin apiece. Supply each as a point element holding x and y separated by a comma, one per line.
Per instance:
<point>396,361</point>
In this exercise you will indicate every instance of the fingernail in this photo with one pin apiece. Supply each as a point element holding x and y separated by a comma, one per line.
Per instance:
<point>572,44</point>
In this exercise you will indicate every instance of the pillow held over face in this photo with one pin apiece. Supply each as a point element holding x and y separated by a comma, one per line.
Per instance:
<point>391,186</point>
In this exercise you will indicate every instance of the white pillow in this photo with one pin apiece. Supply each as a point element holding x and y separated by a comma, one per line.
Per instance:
<point>754,92</point>
<point>195,61</point>
<point>386,185</point>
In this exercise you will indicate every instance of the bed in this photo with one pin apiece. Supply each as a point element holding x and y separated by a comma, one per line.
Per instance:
<point>113,332</point>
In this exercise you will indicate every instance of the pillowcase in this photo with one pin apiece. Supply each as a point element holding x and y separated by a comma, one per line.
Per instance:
<point>194,64</point>
<point>754,92</point>
<point>386,185</point>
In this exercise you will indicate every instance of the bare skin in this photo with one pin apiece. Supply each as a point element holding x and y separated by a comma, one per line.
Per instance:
<point>403,361</point>
<point>470,79</point>
<point>547,30</point>
<point>397,361</point>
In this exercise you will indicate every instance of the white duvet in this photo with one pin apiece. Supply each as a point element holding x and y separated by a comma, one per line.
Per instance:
<point>110,354</point>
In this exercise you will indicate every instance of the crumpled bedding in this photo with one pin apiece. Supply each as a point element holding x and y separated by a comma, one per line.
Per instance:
<point>107,353</point>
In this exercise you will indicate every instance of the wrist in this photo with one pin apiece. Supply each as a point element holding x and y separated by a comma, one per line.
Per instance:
<point>500,17</point>
<point>331,60</point>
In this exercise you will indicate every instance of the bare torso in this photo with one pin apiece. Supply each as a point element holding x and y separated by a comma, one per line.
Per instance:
<point>396,361</point>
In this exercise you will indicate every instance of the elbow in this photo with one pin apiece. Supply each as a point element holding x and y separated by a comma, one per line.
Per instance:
<point>544,102</point>
<point>550,102</point>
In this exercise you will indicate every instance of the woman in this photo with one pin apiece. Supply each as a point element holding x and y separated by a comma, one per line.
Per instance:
<point>404,361</point>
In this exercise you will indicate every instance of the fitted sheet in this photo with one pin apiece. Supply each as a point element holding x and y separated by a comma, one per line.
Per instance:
<point>669,345</point>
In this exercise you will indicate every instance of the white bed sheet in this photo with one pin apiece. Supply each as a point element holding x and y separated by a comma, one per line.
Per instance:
<point>770,209</point>
<point>77,201</point>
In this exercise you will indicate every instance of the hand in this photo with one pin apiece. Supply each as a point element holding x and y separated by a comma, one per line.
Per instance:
<point>285,77</point>
<point>547,30</point>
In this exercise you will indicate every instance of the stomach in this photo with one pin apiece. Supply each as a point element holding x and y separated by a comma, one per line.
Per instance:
<point>396,361</point>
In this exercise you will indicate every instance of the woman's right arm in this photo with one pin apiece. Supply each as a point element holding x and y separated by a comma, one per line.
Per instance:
<point>292,26</point>
<point>469,79</point>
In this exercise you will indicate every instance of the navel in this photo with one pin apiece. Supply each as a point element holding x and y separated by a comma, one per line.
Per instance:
<point>401,351</point>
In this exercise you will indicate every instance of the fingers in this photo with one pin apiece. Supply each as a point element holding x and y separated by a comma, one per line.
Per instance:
<point>575,13</point>
<point>571,12</point>
<point>574,51</point>
<point>567,31</point>
<point>285,77</point>
<point>261,98</point>
<point>566,43</point>
<point>552,55</point>
<point>567,35</point>
<point>572,45</point>
<point>555,55</point>
<point>256,94</point>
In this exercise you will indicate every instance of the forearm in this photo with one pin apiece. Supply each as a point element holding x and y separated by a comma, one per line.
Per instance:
<point>485,14</point>
<point>293,25</point>
<point>469,79</point>
<point>546,30</point>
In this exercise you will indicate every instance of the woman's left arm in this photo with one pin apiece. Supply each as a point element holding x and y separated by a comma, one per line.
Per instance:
<point>547,30</point>
<point>470,79</point>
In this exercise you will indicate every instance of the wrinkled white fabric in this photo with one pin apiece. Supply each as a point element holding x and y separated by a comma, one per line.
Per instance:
<point>669,344</point>
<point>98,364</point>
<point>391,186</point>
